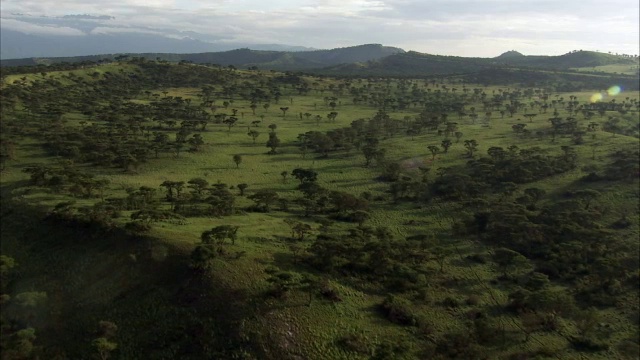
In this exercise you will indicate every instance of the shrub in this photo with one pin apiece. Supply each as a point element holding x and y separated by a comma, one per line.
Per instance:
<point>621,223</point>
<point>477,258</point>
<point>459,346</point>
<point>398,310</point>
<point>473,300</point>
<point>587,343</point>
<point>450,302</point>
<point>628,349</point>
<point>137,227</point>
<point>537,281</point>
<point>330,293</point>
<point>355,342</point>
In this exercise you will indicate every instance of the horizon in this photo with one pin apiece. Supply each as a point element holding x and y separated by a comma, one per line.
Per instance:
<point>326,49</point>
<point>464,28</point>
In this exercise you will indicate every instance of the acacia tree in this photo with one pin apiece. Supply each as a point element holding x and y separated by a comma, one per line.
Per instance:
<point>446,144</point>
<point>360,216</point>
<point>371,151</point>
<point>104,344</point>
<point>471,146</point>
<point>230,122</point>
<point>507,260</point>
<point>530,116</point>
<point>172,186</point>
<point>254,134</point>
<point>587,196</point>
<point>218,234</point>
<point>196,142</point>
<point>264,198</point>
<point>434,151</point>
<point>284,175</point>
<point>200,257</point>
<point>198,185</point>
<point>273,143</point>
<point>304,175</point>
<point>237,159</point>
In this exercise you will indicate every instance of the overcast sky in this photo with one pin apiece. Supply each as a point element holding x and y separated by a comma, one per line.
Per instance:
<point>448,27</point>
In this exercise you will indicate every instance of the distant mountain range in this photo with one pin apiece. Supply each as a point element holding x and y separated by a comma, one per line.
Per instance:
<point>18,45</point>
<point>277,60</point>
<point>379,60</point>
<point>415,63</point>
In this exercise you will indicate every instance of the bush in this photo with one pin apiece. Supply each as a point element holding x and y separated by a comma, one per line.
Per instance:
<point>587,343</point>
<point>459,346</point>
<point>591,177</point>
<point>330,293</point>
<point>621,223</point>
<point>472,300</point>
<point>137,227</point>
<point>537,281</point>
<point>450,302</point>
<point>355,342</point>
<point>628,349</point>
<point>398,310</point>
<point>477,258</point>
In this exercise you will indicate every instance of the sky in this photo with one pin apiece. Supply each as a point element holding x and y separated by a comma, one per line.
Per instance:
<point>484,28</point>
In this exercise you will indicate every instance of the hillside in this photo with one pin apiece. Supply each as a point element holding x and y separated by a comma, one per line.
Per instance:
<point>509,68</point>
<point>378,60</point>
<point>411,64</point>
<point>576,59</point>
<point>153,210</point>
<point>279,60</point>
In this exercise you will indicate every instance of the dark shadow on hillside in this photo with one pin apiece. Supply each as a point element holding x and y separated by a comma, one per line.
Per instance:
<point>96,273</point>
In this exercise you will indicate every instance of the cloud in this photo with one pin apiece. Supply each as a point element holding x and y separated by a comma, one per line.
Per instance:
<point>30,28</point>
<point>102,30</point>
<point>453,27</point>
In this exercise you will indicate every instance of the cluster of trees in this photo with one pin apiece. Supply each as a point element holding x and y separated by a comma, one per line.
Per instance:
<point>211,245</point>
<point>25,314</point>
<point>530,243</point>
<point>500,173</point>
<point>373,254</point>
<point>558,81</point>
<point>67,178</point>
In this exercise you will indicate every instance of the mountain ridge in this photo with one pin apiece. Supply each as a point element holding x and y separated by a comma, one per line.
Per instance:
<point>373,60</point>
<point>15,45</point>
<point>243,57</point>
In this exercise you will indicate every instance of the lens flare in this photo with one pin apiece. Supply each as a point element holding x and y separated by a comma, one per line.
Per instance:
<point>596,97</point>
<point>614,90</point>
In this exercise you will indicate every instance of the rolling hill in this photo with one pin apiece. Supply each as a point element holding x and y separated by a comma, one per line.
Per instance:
<point>367,60</point>
<point>415,63</point>
<point>277,60</point>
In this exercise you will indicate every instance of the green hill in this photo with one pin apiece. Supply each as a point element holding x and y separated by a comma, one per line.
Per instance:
<point>510,55</point>
<point>576,59</point>
<point>411,64</point>
<point>509,68</point>
<point>279,60</point>
<point>154,210</point>
<point>367,60</point>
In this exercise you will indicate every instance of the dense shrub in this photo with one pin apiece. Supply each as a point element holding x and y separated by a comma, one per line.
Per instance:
<point>398,310</point>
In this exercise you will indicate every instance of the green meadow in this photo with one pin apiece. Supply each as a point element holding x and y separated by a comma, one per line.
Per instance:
<point>405,270</point>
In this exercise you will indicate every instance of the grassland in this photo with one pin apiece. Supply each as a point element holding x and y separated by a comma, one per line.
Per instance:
<point>133,283</point>
<point>614,69</point>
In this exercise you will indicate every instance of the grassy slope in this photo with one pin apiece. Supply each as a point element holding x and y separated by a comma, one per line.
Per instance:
<point>311,332</point>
